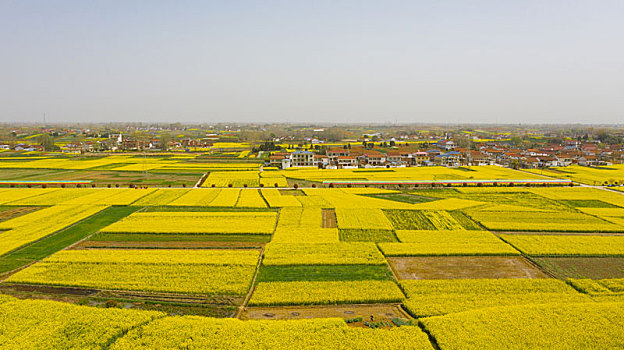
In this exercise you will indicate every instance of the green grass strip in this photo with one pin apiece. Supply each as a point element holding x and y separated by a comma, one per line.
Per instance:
<point>64,238</point>
<point>323,273</point>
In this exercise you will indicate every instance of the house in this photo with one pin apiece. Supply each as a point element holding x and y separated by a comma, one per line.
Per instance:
<point>346,162</point>
<point>321,161</point>
<point>276,158</point>
<point>302,158</point>
<point>477,158</point>
<point>374,158</point>
<point>421,158</point>
<point>452,158</point>
<point>531,163</point>
<point>334,153</point>
<point>445,145</point>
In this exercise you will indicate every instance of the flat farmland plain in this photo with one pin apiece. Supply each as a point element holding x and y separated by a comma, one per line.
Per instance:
<point>328,267</point>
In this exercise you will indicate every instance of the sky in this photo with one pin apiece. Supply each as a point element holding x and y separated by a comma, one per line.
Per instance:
<point>315,61</point>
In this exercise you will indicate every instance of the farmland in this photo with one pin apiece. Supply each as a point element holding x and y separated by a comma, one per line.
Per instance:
<point>365,267</point>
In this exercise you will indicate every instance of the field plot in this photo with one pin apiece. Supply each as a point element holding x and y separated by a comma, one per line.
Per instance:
<point>420,243</point>
<point>31,227</point>
<point>13,195</point>
<point>439,297</point>
<point>430,220</point>
<point>567,194</point>
<point>177,332</point>
<point>250,198</point>
<point>543,221</point>
<point>233,179</point>
<point>275,198</point>
<point>303,225</point>
<point>196,197</point>
<point>349,218</point>
<point>583,267</point>
<point>549,326</point>
<point>8,213</point>
<point>367,235</point>
<point>414,173</point>
<point>276,273</point>
<point>161,197</point>
<point>567,244</point>
<point>461,267</point>
<point>61,239</point>
<point>347,198</point>
<point>39,324</point>
<point>109,196</point>
<point>196,223</point>
<point>325,292</point>
<point>322,254</point>
<point>212,272</point>
<point>378,311</point>
<point>587,175</point>
<point>599,287</point>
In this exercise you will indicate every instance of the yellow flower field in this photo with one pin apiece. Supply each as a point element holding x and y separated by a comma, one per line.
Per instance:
<point>41,223</point>
<point>196,222</point>
<point>210,333</point>
<point>423,243</point>
<point>41,324</point>
<point>439,297</point>
<point>549,326</point>
<point>365,218</point>
<point>342,253</point>
<point>303,225</point>
<point>325,292</point>
<point>178,271</point>
<point>567,244</point>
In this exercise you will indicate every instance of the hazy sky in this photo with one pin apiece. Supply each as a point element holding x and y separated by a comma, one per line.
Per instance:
<point>504,61</point>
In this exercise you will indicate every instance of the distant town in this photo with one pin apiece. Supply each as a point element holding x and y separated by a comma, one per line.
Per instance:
<point>335,147</point>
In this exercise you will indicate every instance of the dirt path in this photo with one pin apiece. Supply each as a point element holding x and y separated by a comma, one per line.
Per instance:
<point>329,218</point>
<point>243,306</point>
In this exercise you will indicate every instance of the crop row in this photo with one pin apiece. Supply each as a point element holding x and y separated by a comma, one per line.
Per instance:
<point>33,226</point>
<point>342,253</point>
<point>303,225</point>
<point>438,297</point>
<point>460,242</point>
<point>178,271</point>
<point>325,292</point>
<point>567,244</point>
<point>196,222</point>
<point>364,218</point>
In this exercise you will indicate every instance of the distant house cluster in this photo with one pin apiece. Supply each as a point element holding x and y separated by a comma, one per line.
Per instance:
<point>446,153</point>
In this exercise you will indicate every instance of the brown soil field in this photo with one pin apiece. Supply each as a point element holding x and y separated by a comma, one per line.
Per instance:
<point>378,311</point>
<point>583,267</point>
<point>15,212</point>
<point>456,267</point>
<point>329,218</point>
<point>172,244</point>
<point>172,304</point>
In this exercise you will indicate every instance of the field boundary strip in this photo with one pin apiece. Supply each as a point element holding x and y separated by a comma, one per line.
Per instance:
<point>252,287</point>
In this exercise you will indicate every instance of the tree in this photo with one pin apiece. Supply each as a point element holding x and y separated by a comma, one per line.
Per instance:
<point>164,140</point>
<point>47,142</point>
<point>516,140</point>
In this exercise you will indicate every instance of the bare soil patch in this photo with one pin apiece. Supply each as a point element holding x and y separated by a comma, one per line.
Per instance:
<point>172,304</point>
<point>456,267</point>
<point>584,267</point>
<point>329,218</point>
<point>378,311</point>
<point>15,212</point>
